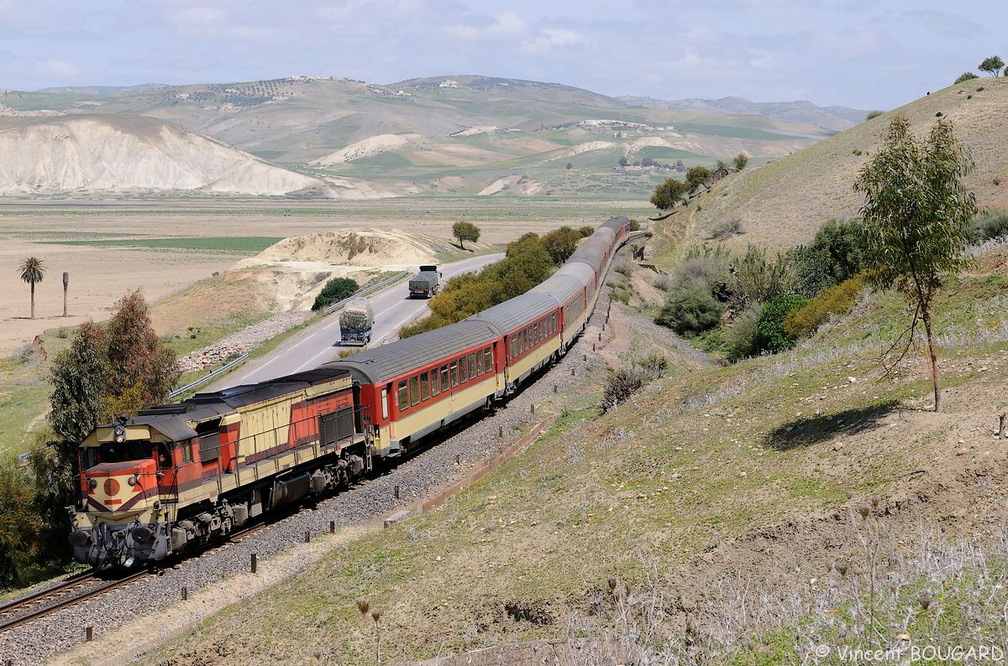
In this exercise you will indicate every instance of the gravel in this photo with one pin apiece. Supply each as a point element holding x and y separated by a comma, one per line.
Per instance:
<point>39,641</point>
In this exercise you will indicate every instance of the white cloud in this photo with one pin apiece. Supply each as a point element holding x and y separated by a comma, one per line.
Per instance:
<point>505,25</point>
<point>200,15</point>
<point>553,39</point>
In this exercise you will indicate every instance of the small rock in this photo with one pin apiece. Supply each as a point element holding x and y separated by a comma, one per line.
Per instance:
<point>852,380</point>
<point>838,446</point>
<point>961,450</point>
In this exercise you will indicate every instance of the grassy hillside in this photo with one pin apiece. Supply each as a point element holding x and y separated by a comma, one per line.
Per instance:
<point>744,513</point>
<point>783,203</point>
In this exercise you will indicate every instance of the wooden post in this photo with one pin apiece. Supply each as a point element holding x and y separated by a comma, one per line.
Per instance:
<point>396,492</point>
<point>307,536</point>
<point>88,634</point>
<point>185,594</point>
<point>332,527</point>
<point>253,562</point>
<point>66,283</point>
<point>1001,417</point>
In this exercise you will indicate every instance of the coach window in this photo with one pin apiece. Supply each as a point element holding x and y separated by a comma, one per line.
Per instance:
<point>403,397</point>
<point>479,363</point>
<point>488,359</point>
<point>435,385</point>
<point>444,378</point>
<point>414,390</point>
<point>472,365</point>
<point>463,376</point>
<point>454,374</point>
<point>424,386</point>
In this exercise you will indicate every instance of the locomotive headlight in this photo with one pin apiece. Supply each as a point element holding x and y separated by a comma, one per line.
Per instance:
<point>92,483</point>
<point>132,481</point>
<point>119,434</point>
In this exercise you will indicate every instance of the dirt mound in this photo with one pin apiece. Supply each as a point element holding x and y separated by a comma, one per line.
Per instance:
<point>363,247</point>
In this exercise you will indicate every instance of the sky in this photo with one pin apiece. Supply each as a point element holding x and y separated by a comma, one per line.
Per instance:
<point>865,54</point>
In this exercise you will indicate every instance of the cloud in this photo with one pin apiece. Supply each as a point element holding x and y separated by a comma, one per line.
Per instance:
<point>505,25</point>
<point>201,15</point>
<point>549,40</point>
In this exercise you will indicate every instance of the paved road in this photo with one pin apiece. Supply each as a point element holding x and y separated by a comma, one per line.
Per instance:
<point>320,343</point>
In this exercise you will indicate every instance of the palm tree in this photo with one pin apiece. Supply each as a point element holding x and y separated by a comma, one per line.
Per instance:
<point>32,269</point>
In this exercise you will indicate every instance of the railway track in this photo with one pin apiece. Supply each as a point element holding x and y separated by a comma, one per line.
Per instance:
<point>76,589</point>
<point>71,591</point>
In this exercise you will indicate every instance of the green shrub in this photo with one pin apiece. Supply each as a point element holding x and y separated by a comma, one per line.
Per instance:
<point>989,224</point>
<point>873,114</point>
<point>770,336</point>
<point>758,277</point>
<point>740,337</point>
<point>834,300</point>
<point>691,310</point>
<point>833,256</point>
<point>334,291</point>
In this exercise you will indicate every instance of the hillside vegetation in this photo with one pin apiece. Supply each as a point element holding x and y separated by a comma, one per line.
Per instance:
<point>782,203</point>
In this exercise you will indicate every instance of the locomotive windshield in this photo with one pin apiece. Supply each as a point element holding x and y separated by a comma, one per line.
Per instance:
<point>110,452</point>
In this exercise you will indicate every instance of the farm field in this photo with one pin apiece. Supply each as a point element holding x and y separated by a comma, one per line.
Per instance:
<point>92,241</point>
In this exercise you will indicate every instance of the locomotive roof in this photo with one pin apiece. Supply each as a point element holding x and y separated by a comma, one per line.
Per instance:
<point>518,311</point>
<point>383,363</point>
<point>204,406</point>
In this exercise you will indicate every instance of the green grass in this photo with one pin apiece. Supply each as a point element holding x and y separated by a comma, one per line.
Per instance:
<point>240,245</point>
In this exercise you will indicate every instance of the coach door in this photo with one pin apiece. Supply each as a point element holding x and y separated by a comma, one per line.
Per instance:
<point>384,402</point>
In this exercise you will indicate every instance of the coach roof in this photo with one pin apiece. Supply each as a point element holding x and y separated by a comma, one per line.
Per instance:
<point>384,363</point>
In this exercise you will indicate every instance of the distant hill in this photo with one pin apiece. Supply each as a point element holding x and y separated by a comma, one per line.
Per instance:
<point>836,118</point>
<point>785,201</point>
<point>458,135</point>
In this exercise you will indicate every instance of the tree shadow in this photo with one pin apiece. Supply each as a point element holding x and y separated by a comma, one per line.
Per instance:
<point>805,431</point>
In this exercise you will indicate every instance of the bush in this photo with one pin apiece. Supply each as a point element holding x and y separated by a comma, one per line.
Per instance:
<point>835,300</point>
<point>770,337</point>
<point>873,114</point>
<point>758,277</point>
<point>334,291</point>
<point>966,76</point>
<point>621,384</point>
<point>691,310</point>
<point>739,339</point>
<point>987,225</point>
<point>726,229</point>
<point>833,256</point>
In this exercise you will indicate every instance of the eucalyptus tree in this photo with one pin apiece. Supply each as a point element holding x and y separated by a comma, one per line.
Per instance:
<point>916,222</point>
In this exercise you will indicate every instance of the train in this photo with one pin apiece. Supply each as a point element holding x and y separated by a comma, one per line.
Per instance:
<point>177,477</point>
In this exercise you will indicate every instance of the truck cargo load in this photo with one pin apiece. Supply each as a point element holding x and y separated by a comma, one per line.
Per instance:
<point>356,321</point>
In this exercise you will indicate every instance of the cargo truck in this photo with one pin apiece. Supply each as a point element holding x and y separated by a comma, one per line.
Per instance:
<point>425,283</point>
<point>355,322</point>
